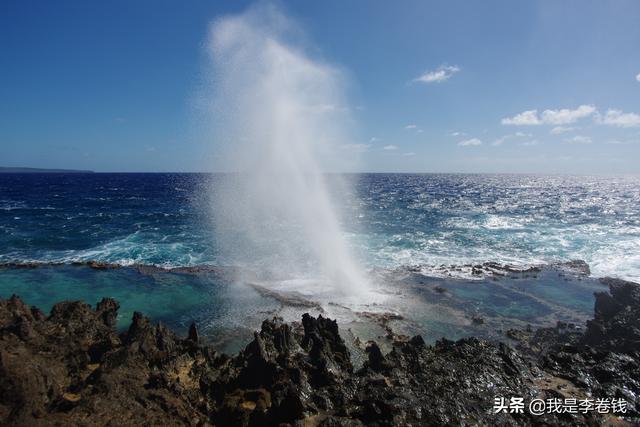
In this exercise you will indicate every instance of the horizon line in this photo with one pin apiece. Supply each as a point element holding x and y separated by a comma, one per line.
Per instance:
<point>35,170</point>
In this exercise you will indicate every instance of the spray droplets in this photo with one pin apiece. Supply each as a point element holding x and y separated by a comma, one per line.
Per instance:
<point>279,120</point>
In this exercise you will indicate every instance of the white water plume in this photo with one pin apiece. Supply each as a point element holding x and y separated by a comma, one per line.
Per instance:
<point>280,120</point>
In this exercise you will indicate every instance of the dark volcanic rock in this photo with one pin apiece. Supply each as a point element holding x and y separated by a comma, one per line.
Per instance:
<point>605,360</point>
<point>71,368</point>
<point>616,324</point>
<point>440,385</point>
<point>577,266</point>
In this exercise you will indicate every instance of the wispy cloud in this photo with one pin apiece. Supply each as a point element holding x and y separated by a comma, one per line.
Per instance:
<point>579,140</point>
<point>638,77</point>
<point>410,153</point>
<point>356,147</point>
<point>374,139</point>
<point>457,134</point>
<point>414,128</point>
<point>504,139</point>
<point>561,129</point>
<point>329,108</point>
<point>500,140</point>
<point>439,75</point>
<point>526,118</point>
<point>562,116</point>
<point>470,142</point>
<point>620,119</point>
<point>390,147</point>
<point>529,143</point>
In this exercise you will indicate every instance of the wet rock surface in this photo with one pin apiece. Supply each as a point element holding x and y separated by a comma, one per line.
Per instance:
<point>72,368</point>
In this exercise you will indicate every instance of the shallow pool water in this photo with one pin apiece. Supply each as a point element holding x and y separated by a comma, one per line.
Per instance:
<point>227,313</point>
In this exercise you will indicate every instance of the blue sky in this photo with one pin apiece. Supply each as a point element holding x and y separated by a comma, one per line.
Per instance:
<point>496,86</point>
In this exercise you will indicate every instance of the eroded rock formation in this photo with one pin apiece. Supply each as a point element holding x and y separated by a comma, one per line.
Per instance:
<point>72,368</point>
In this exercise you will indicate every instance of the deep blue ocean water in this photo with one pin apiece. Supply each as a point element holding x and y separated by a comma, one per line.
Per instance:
<point>393,220</point>
<point>403,229</point>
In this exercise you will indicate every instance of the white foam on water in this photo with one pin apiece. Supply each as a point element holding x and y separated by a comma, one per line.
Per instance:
<point>136,248</point>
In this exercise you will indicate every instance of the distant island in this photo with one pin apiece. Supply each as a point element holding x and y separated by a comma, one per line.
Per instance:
<point>38,170</point>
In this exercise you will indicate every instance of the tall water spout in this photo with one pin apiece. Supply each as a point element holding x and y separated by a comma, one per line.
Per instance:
<point>280,121</point>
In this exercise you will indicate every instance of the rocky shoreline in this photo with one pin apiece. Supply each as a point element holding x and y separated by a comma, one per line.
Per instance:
<point>487,269</point>
<point>73,368</point>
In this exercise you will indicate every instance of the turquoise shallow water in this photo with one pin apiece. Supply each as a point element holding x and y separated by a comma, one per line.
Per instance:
<point>438,307</point>
<point>165,297</point>
<point>227,313</point>
<point>218,307</point>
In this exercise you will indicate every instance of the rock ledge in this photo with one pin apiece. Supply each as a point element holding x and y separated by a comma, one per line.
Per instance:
<point>72,368</point>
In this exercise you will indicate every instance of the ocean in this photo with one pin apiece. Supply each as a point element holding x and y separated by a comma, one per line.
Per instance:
<point>398,220</point>
<point>406,230</point>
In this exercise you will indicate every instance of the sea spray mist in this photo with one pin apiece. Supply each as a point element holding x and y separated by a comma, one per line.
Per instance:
<point>280,120</point>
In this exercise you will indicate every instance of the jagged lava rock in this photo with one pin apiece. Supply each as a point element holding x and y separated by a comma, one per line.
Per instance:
<point>72,368</point>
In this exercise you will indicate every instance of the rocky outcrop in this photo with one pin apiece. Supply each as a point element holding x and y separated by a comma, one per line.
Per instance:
<point>616,323</point>
<point>603,361</point>
<point>72,368</point>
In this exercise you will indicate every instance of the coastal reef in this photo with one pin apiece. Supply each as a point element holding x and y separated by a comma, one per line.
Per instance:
<point>73,368</point>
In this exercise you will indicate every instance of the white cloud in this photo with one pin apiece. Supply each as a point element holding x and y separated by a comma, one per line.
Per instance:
<point>503,139</point>
<point>561,129</point>
<point>638,77</point>
<point>529,143</point>
<point>470,142</point>
<point>410,153</point>
<point>390,147</point>
<point>356,147</point>
<point>500,141</point>
<point>328,108</point>
<point>374,139</point>
<point>457,134</point>
<point>414,128</point>
<point>526,118</point>
<point>579,140</point>
<point>566,116</point>
<point>620,119</point>
<point>563,116</point>
<point>439,75</point>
